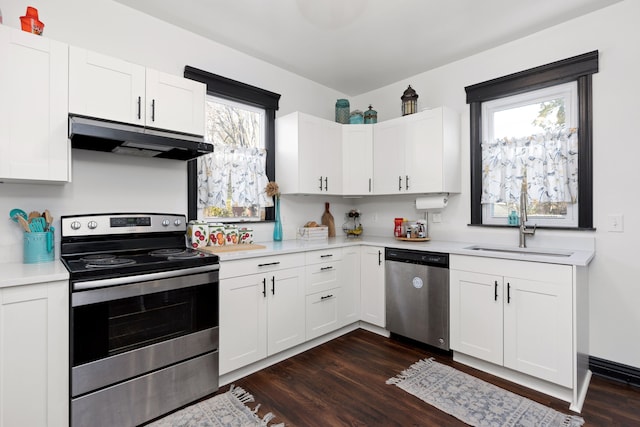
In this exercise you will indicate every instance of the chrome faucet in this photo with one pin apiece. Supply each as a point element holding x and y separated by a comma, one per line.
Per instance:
<point>524,231</point>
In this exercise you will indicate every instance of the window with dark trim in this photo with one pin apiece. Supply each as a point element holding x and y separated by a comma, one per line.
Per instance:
<point>579,69</point>
<point>233,90</point>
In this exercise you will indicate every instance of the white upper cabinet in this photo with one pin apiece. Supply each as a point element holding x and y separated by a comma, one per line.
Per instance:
<point>418,153</point>
<point>308,155</point>
<point>34,144</point>
<point>109,88</point>
<point>357,160</point>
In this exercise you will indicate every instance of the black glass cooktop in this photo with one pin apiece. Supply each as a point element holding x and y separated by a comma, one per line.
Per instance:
<point>130,263</point>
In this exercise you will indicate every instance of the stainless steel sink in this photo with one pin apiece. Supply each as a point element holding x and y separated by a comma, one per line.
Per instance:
<point>521,251</point>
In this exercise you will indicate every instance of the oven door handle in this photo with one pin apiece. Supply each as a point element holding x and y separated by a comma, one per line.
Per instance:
<point>124,287</point>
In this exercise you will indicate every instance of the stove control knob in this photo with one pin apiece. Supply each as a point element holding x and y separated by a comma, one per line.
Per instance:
<point>165,222</point>
<point>75,225</point>
<point>92,225</point>
<point>177,223</point>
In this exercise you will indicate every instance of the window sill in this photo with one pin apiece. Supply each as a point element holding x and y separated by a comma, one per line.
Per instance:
<point>544,227</point>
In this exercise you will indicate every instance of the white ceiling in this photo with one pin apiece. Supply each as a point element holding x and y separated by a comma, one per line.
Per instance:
<point>355,46</point>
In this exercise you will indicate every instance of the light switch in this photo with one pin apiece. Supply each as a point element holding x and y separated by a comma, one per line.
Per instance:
<point>436,217</point>
<point>615,223</point>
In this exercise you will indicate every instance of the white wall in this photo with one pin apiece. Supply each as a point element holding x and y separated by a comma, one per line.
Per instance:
<point>106,182</point>
<point>614,274</point>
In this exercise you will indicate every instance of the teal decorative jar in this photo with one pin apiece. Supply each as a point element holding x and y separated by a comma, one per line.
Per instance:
<point>356,117</point>
<point>342,111</point>
<point>370,116</point>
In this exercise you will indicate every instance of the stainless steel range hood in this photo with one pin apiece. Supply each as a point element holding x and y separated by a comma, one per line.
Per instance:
<point>102,135</point>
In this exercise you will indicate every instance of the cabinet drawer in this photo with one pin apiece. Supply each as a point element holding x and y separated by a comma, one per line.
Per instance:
<point>259,265</point>
<point>322,312</point>
<point>320,277</point>
<point>328,255</point>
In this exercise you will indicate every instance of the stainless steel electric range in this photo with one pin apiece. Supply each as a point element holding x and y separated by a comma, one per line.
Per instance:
<point>143,317</point>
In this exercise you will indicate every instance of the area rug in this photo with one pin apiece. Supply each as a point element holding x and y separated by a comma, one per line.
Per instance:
<point>474,401</point>
<point>223,410</point>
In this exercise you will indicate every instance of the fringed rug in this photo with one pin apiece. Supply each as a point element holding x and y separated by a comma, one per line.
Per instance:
<point>223,410</point>
<point>474,401</point>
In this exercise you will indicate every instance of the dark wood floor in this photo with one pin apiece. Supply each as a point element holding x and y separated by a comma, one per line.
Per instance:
<point>342,383</point>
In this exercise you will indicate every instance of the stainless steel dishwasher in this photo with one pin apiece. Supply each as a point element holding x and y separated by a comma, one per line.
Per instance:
<point>417,295</point>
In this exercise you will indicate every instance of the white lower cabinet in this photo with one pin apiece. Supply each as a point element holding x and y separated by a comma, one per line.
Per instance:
<point>515,314</point>
<point>349,304</point>
<point>262,313</point>
<point>372,300</point>
<point>34,355</point>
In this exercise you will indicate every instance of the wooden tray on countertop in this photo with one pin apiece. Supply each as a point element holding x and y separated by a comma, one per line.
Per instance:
<point>231,248</point>
<point>413,239</point>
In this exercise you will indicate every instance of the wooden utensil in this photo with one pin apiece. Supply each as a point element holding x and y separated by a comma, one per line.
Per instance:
<point>47,217</point>
<point>33,214</point>
<point>25,225</point>
<point>327,219</point>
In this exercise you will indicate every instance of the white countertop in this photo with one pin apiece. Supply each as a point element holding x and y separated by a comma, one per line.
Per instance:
<point>18,274</point>
<point>577,257</point>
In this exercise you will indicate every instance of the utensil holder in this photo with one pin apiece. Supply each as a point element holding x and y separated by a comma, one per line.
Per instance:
<point>38,247</point>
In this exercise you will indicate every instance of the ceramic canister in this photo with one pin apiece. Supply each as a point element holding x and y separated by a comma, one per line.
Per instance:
<point>216,234</point>
<point>245,235</point>
<point>231,234</point>
<point>197,234</point>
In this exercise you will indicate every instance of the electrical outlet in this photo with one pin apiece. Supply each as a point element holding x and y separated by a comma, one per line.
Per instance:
<point>374,217</point>
<point>436,217</point>
<point>615,223</point>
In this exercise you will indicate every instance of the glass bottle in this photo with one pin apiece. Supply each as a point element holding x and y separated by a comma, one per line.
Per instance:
<point>277,226</point>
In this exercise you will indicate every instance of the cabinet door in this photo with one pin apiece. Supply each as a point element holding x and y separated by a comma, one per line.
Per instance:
<point>357,160</point>
<point>423,152</point>
<point>476,315</point>
<point>286,310</point>
<point>243,321</point>
<point>322,312</point>
<point>389,175</point>
<point>372,286</point>
<point>538,336</point>
<point>34,142</point>
<point>174,103</point>
<point>34,355</point>
<point>349,302</point>
<point>320,155</point>
<point>105,87</point>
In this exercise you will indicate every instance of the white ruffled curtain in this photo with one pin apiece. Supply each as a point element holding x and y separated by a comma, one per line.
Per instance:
<point>244,167</point>
<point>548,160</point>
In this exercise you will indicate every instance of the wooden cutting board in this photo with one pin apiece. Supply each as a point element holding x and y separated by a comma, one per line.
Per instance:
<point>231,248</point>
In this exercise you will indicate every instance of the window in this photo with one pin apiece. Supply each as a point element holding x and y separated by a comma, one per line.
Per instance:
<point>534,127</point>
<point>531,137</point>
<point>241,125</point>
<point>231,180</point>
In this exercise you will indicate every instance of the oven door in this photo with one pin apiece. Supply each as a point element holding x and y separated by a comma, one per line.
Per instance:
<point>124,331</point>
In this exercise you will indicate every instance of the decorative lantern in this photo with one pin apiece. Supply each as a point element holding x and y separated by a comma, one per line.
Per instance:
<point>371,115</point>
<point>409,101</point>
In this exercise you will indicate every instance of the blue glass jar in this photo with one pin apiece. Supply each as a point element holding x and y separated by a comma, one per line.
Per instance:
<point>356,117</point>
<point>342,111</point>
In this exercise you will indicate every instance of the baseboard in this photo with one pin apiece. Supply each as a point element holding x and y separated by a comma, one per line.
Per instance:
<point>615,371</point>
